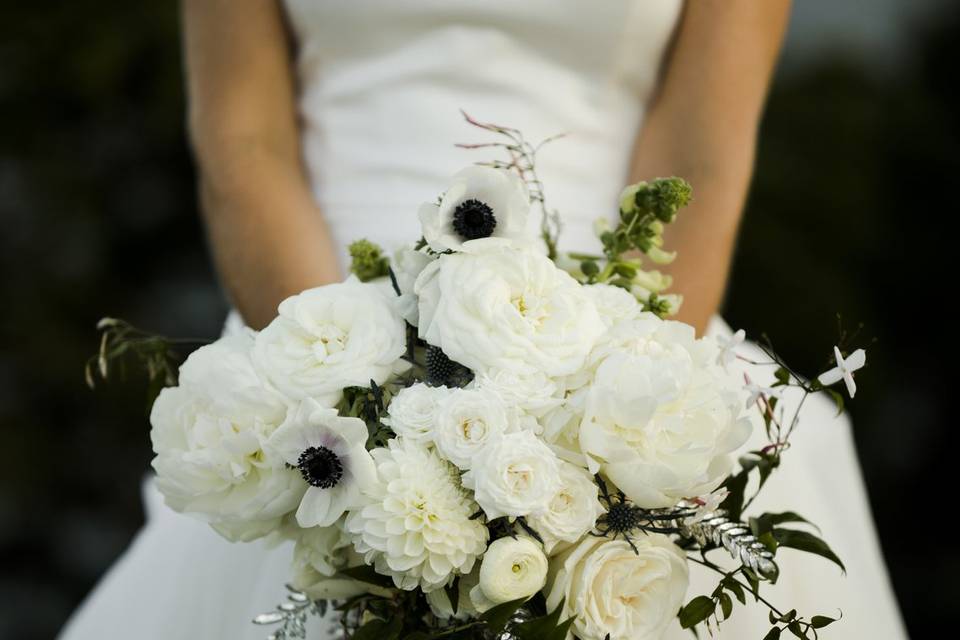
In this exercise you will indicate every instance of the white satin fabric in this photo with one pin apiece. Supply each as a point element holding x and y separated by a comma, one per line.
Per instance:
<point>382,83</point>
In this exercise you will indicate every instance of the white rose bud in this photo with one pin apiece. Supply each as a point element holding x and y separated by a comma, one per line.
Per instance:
<point>516,475</point>
<point>466,420</point>
<point>512,568</point>
<point>413,411</point>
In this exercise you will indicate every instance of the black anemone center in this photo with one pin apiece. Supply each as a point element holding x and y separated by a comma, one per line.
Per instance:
<point>320,467</point>
<point>473,219</point>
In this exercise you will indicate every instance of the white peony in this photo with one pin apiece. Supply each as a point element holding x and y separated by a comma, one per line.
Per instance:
<point>209,435</point>
<point>331,337</point>
<point>413,411</point>
<point>512,568</point>
<point>515,475</point>
<point>480,202</point>
<point>330,453</point>
<point>494,306</point>
<point>616,593</point>
<point>573,510</point>
<point>416,525</point>
<point>660,417</point>
<point>467,420</point>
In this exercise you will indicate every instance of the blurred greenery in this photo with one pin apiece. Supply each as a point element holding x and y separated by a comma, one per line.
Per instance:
<point>848,212</point>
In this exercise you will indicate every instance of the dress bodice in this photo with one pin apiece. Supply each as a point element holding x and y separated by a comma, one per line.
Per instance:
<point>382,83</point>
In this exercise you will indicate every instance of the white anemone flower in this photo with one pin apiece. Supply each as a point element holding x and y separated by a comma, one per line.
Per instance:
<point>330,453</point>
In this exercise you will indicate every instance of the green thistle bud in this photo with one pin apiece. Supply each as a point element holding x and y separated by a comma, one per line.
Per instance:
<point>368,261</point>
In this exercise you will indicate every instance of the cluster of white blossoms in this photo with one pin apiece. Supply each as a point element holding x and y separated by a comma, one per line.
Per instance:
<point>348,425</point>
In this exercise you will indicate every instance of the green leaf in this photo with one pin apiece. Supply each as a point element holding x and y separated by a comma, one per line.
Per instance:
<point>365,573</point>
<point>546,627</point>
<point>773,634</point>
<point>736,485</point>
<point>837,399</point>
<point>498,617</point>
<point>788,616</point>
<point>696,611</point>
<point>734,586</point>
<point>805,541</point>
<point>782,376</point>
<point>796,630</point>
<point>819,622</point>
<point>767,521</point>
<point>380,630</point>
<point>726,605</point>
<point>453,593</point>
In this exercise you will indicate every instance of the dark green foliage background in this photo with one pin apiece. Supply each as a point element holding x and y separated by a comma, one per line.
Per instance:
<point>850,211</point>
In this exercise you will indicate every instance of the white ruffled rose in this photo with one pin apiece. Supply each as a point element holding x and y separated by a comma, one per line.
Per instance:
<point>533,393</point>
<point>660,417</point>
<point>512,568</point>
<point>210,434</point>
<point>617,593</point>
<point>613,303</point>
<point>480,202</point>
<point>515,475</point>
<point>413,411</point>
<point>331,337</point>
<point>466,420</point>
<point>494,306</point>
<point>573,510</point>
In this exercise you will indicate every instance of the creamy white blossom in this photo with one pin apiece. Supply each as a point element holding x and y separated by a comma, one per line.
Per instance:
<point>728,347</point>
<point>844,370</point>
<point>660,416</point>
<point>613,303</point>
<point>467,420</point>
<point>413,411</point>
<point>494,306</point>
<point>572,511</point>
<point>533,393</point>
<point>512,568</point>
<point>329,451</point>
<point>332,337</point>
<point>209,435</point>
<point>615,592</point>
<point>515,475</point>
<point>416,525</point>
<point>407,265</point>
<point>318,556</point>
<point>488,201</point>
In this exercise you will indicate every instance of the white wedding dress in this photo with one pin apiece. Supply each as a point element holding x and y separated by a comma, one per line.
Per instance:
<point>382,83</point>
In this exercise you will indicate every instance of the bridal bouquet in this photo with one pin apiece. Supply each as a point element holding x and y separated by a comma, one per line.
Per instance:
<point>480,437</point>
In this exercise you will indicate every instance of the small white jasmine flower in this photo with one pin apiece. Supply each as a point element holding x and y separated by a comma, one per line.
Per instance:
<point>330,453</point>
<point>756,392</point>
<point>844,370</point>
<point>728,347</point>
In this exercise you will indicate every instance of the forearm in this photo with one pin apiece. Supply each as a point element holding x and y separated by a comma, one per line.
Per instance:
<point>267,236</point>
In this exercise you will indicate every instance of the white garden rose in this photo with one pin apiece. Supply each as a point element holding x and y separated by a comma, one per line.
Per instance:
<point>660,417</point>
<point>617,593</point>
<point>466,421</point>
<point>533,393</point>
<point>329,451</point>
<point>613,303</point>
<point>515,475</point>
<point>331,337</point>
<point>573,510</point>
<point>494,306</point>
<point>512,568</point>
<point>413,411</point>
<point>416,525</point>
<point>480,202</point>
<point>209,435</point>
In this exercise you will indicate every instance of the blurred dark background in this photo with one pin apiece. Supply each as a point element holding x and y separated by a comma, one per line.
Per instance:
<point>850,212</point>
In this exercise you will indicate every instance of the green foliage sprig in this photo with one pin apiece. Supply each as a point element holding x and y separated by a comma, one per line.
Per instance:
<point>367,260</point>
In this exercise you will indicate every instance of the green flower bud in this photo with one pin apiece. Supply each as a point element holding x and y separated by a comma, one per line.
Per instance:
<point>367,260</point>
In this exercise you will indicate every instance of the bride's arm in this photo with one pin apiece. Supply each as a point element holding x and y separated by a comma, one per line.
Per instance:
<point>703,127</point>
<point>267,235</point>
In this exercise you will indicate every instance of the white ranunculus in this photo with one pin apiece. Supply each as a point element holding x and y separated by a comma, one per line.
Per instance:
<point>466,421</point>
<point>413,411</point>
<point>660,416</point>
<point>573,510</point>
<point>416,524</point>
<point>613,303</point>
<point>330,453</point>
<point>534,393</point>
<point>617,593</point>
<point>480,202</point>
<point>331,337</point>
<point>512,568</point>
<point>209,435</point>
<point>494,306</point>
<point>515,475</point>
<point>407,265</point>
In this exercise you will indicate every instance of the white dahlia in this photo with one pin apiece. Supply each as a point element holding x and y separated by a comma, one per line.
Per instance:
<point>416,525</point>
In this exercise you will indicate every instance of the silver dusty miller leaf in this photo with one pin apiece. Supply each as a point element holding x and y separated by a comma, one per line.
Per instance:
<point>291,615</point>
